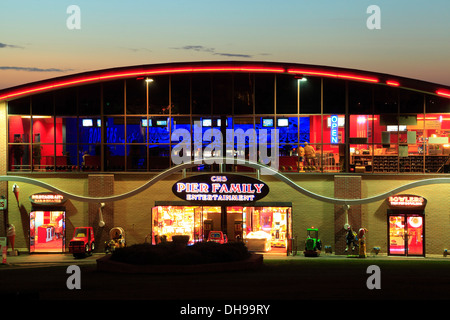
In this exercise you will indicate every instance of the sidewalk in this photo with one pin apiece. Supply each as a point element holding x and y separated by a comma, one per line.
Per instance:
<point>26,259</point>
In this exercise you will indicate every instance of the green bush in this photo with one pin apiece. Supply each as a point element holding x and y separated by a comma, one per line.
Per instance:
<point>169,253</point>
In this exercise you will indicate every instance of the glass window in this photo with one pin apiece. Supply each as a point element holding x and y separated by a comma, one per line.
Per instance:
<point>136,96</point>
<point>158,95</point>
<point>19,156</point>
<point>19,129</point>
<point>222,93</point>
<point>42,104</point>
<point>287,92</point>
<point>411,101</point>
<point>136,130</point>
<point>385,100</point>
<point>113,97</point>
<point>181,94</point>
<point>287,129</point>
<point>334,96</point>
<point>136,157</point>
<point>436,104</point>
<point>201,94</point>
<point>158,157</point>
<point>114,157</point>
<point>19,106</point>
<point>66,102</point>
<point>243,93</point>
<point>90,157</point>
<point>89,100</point>
<point>360,98</point>
<point>264,94</point>
<point>310,95</point>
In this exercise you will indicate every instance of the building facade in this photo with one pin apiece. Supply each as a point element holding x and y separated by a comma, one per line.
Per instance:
<point>106,133</point>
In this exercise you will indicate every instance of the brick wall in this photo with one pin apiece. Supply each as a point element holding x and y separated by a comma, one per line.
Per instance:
<point>101,185</point>
<point>346,187</point>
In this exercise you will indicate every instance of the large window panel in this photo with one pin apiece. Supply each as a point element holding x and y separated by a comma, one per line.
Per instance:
<point>201,94</point>
<point>114,157</point>
<point>222,93</point>
<point>334,96</point>
<point>42,104</point>
<point>181,94</point>
<point>264,94</point>
<point>360,98</point>
<point>386,100</point>
<point>136,96</point>
<point>287,92</point>
<point>159,157</point>
<point>66,102</point>
<point>89,98</point>
<point>113,97</point>
<point>158,95</point>
<point>310,96</point>
<point>19,106</point>
<point>243,94</point>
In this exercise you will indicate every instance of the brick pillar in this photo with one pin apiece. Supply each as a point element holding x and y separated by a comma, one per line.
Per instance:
<point>346,187</point>
<point>101,185</point>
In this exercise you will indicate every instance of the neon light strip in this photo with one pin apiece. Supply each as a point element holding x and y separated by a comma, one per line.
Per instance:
<point>333,75</point>
<point>392,83</point>
<point>140,73</point>
<point>443,93</point>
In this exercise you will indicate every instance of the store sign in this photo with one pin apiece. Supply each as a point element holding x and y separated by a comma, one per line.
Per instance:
<point>47,198</point>
<point>218,189</point>
<point>407,201</point>
<point>334,136</point>
<point>3,204</point>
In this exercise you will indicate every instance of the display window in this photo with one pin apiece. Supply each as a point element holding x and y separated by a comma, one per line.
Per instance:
<point>406,234</point>
<point>261,228</point>
<point>47,231</point>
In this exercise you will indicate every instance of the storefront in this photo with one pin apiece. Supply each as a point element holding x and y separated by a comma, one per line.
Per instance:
<point>226,203</point>
<point>336,133</point>
<point>406,225</point>
<point>47,223</point>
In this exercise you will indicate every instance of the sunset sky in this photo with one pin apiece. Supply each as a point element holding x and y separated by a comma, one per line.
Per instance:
<point>36,44</point>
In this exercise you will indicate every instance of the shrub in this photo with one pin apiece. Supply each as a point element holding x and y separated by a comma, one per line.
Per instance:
<point>170,253</point>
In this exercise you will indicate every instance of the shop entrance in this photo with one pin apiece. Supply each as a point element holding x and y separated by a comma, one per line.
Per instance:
<point>47,231</point>
<point>406,234</point>
<point>262,228</point>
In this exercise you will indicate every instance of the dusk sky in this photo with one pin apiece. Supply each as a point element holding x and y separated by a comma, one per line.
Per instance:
<point>36,43</point>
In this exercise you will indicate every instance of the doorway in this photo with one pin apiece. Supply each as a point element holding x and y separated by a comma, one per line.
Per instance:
<point>406,234</point>
<point>270,225</point>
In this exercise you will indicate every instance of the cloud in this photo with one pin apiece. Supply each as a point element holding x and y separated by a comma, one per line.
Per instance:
<point>4,45</point>
<point>137,49</point>
<point>34,69</point>
<point>212,51</point>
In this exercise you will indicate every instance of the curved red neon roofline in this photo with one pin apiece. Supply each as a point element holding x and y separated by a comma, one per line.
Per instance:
<point>149,72</point>
<point>443,93</point>
<point>153,71</point>
<point>333,75</point>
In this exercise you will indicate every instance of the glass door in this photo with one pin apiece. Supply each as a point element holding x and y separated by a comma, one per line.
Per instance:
<point>406,234</point>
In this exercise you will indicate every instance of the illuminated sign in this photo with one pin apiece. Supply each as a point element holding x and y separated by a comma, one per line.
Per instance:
<point>3,203</point>
<point>47,198</point>
<point>407,201</point>
<point>334,138</point>
<point>217,189</point>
